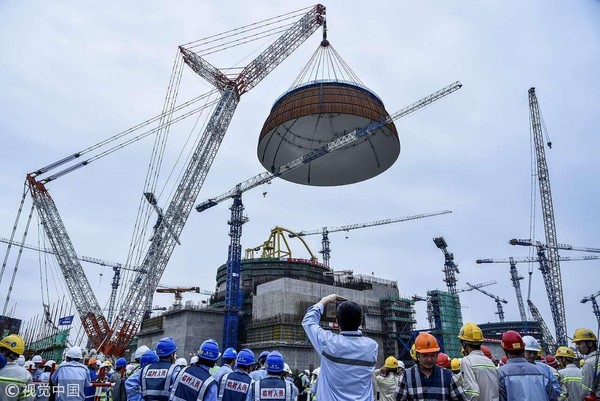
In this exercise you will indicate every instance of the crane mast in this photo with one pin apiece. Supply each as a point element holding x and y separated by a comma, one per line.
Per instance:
<point>450,268</point>
<point>171,226</point>
<point>552,277</point>
<point>595,307</point>
<point>546,334</point>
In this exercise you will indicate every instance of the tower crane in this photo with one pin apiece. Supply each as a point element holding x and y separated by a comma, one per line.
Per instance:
<point>552,276</point>
<point>325,231</point>
<point>450,268</point>
<point>237,219</point>
<point>114,339</point>
<point>595,307</point>
<point>178,291</point>
<point>499,301</point>
<point>528,242</point>
<point>515,277</point>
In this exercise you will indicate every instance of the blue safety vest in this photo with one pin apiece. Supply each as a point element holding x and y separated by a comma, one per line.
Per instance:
<point>192,383</point>
<point>156,380</point>
<point>234,386</point>
<point>272,388</point>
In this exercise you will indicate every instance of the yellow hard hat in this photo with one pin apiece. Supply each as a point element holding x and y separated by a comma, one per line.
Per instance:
<point>584,335</point>
<point>391,362</point>
<point>581,362</point>
<point>13,343</point>
<point>565,352</point>
<point>413,352</point>
<point>471,333</point>
<point>455,364</point>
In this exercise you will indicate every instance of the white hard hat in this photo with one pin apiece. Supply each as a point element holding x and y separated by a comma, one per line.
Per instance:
<point>49,363</point>
<point>29,365</point>
<point>531,344</point>
<point>286,368</point>
<point>21,360</point>
<point>140,351</point>
<point>181,362</point>
<point>401,365</point>
<point>37,359</point>
<point>194,360</point>
<point>316,371</point>
<point>75,352</point>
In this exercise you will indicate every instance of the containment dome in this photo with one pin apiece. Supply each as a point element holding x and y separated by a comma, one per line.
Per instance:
<point>318,111</point>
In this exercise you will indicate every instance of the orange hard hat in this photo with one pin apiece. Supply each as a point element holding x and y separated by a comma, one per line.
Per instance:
<point>486,351</point>
<point>443,360</point>
<point>92,361</point>
<point>425,343</point>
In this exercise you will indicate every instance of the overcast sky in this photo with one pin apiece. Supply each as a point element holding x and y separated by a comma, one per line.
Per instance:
<point>75,73</point>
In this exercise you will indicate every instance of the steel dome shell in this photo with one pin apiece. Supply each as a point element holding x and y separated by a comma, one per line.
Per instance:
<point>308,117</point>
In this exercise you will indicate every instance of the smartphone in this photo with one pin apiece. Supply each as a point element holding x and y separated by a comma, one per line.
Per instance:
<point>331,310</point>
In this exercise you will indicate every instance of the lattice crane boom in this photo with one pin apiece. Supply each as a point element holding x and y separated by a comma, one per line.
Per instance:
<point>552,277</point>
<point>325,231</point>
<point>499,301</point>
<point>595,306</point>
<point>547,338</point>
<point>528,242</point>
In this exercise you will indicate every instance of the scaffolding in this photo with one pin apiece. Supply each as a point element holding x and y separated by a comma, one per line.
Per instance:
<point>398,321</point>
<point>51,347</point>
<point>447,318</point>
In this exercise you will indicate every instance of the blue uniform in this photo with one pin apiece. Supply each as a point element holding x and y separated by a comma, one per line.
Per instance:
<point>520,380</point>
<point>90,391</point>
<point>157,380</point>
<point>222,371</point>
<point>234,386</point>
<point>271,388</point>
<point>70,380</point>
<point>258,374</point>
<point>194,383</point>
<point>133,386</point>
<point>550,373</point>
<point>347,360</point>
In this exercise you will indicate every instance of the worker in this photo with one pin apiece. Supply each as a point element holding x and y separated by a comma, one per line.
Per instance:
<point>15,381</point>
<point>234,386</point>
<point>133,385</point>
<point>273,386</point>
<point>90,391</point>
<point>532,353</point>
<point>303,384</point>
<point>443,360</point>
<point>156,379</point>
<point>135,364</point>
<point>426,380</point>
<point>287,375</point>
<point>413,353</point>
<point>38,362</point>
<point>347,359</point>
<point>71,377</point>
<point>42,389</point>
<point>229,356</point>
<point>260,372</point>
<point>181,362</point>
<point>478,372</point>
<point>587,344</point>
<point>386,380</point>
<point>520,380</point>
<point>118,380</point>
<point>570,375</point>
<point>195,382</point>
<point>455,367</point>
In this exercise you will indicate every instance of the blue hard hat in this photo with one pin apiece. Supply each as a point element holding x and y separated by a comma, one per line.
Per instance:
<point>264,354</point>
<point>148,357</point>
<point>274,362</point>
<point>165,346</point>
<point>245,357</point>
<point>121,363</point>
<point>3,361</point>
<point>229,353</point>
<point>209,350</point>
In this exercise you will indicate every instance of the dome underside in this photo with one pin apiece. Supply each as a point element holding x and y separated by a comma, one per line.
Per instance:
<point>308,118</point>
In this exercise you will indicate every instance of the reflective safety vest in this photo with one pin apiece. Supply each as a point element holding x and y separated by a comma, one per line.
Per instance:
<point>234,386</point>
<point>156,380</point>
<point>15,383</point>
<point>192,383</point>
<point>272,388</point>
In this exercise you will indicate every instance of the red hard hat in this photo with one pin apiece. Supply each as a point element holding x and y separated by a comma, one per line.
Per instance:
<point>551,361</point>
<point>486,351</point>
<point>504,359</point>
<point>443,360</point>
<point>512,341</point>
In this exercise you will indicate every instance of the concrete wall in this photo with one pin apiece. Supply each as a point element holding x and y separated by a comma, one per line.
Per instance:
<point>188,328</point>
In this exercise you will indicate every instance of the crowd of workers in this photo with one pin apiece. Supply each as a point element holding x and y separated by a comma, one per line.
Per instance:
<point>347,370</point>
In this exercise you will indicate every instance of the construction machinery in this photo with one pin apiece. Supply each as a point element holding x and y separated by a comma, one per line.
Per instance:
<point>548,341</point>
<point>450,268</point>
<point>499,301</point>
<point>551,274</point>
<point>538,244</point>
<point>233,298</point>
<point>137,302</point>
<point>178,291</point>
<point>595,308</point>
<point>515,277</point>
<point>325,231</point>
